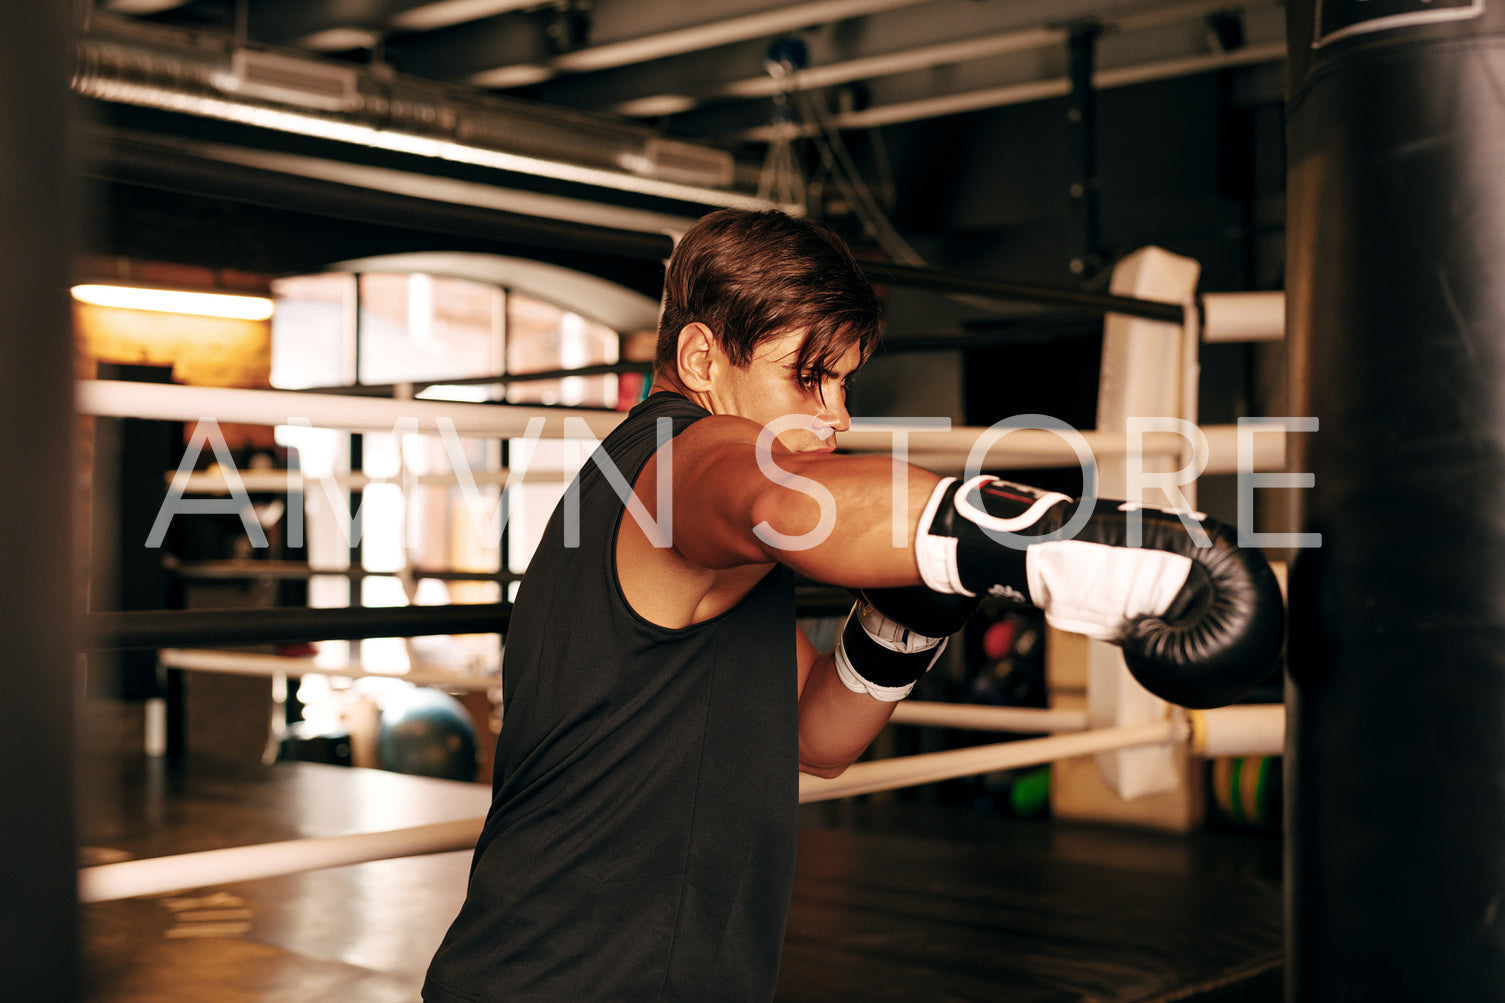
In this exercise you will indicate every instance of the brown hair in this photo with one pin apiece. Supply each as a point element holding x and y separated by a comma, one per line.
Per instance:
<point>750,276</point>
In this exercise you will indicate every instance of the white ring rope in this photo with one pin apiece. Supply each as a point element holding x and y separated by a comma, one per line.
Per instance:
<point>171,402</point>
<point>929,767</point>
<point>159,875</point>
<point>943,450</point>
<point>973,717</point>
<point>284,481</point>
<point>243,663</point>
<point>969,717</point>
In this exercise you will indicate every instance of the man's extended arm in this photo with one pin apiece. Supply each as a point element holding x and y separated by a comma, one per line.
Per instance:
<point>831,518</point>
<point>1200,619</point>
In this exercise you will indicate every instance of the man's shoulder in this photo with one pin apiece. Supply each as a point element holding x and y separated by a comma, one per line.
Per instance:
<point>667,404</point>
<point>694,427</point>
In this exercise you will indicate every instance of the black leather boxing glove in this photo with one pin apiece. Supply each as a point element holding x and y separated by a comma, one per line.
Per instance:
<point>923,610</point>
<point>1200,620</point>
<point>893,636</point>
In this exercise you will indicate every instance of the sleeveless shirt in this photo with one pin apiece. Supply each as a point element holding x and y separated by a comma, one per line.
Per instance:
<point>641,838</point>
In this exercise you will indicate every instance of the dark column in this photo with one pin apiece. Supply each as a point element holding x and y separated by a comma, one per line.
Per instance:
<point>1396,319</point>
<point>38,911</point>
<point>1081,121</point>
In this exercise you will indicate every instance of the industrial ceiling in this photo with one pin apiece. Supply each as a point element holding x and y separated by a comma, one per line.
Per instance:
<point>624,117</point>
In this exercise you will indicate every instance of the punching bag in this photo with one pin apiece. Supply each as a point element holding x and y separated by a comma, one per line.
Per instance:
<point>1396,323</point>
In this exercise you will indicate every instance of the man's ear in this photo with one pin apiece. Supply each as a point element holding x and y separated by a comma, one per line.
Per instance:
<point>695,356</point>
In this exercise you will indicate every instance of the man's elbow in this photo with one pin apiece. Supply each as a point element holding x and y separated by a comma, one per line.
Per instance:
<point>829,771</point>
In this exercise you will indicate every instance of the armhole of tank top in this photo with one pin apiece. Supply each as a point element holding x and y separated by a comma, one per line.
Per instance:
<point>616,579</point>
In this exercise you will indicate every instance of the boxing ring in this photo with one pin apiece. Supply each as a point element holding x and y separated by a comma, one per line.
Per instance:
<point>317,827</point>
<point>1390,316</point>
<point>1257,730</point>
<point>1390,320</point>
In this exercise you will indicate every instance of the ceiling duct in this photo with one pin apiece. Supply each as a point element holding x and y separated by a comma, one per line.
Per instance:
<point>209,75</point>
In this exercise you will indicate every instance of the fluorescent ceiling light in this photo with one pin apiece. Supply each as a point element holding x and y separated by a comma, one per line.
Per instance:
<point>344,131</point>
<point>173,301</point>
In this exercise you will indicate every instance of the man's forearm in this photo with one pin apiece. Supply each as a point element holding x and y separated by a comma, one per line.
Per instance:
<point>836,724</point>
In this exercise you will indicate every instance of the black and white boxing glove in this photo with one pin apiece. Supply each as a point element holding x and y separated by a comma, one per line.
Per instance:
<point>893,636</point>
<point>1200,619</point>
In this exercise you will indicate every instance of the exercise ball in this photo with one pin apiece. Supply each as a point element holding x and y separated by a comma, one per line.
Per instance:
<point>427,733</point>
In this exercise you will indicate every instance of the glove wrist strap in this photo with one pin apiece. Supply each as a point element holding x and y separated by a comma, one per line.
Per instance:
<point>892,658</point>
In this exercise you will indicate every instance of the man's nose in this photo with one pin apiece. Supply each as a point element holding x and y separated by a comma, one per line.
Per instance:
<point>834,412</point>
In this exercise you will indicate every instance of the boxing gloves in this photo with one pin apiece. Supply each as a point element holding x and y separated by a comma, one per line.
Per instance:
<point>1200,620</point>
<point>893,636</point>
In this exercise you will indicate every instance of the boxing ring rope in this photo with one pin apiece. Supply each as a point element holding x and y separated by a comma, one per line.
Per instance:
<point>1245,730</point>
<point>289,481</point>
<point>930,767</point>
<point>1247,316</point>
<point>912,712</point>
<point>975,717</point>
<point>172,402</point>
<point>240,569</point>
<point>159,875</point>
<point>241,663</point>
<point>1022,447</point>
<point>954,282</point>
<point>119,629</point>
<point>177,628</point>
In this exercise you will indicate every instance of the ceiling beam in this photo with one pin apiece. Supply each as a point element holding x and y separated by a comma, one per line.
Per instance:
<point>1036,89</point>
<point>884,44</point>
<point>515,49</point>
<point>141,8</point>
<point>1145,37</point>
<point>910,38</point>
<point>335,25</point>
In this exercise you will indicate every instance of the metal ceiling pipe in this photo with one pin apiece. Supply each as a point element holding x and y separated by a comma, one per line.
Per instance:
<point>211,75</point>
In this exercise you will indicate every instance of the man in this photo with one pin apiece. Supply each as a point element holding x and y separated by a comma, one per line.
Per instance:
<point>659,699</point>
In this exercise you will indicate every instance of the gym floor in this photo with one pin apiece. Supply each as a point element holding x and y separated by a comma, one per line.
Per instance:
<point>893,900</point>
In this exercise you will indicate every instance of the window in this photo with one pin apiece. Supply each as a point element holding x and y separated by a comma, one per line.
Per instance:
<point>446,335</point>
<point>424,327</point>
<point>548,338</point>
<point>313,331</point>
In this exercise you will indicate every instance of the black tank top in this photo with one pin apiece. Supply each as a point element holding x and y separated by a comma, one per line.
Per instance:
<point>640,843</point>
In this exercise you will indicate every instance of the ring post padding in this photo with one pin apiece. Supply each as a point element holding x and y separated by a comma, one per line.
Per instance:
<point>1258,316</point>
<point>1244,730</point>
<point>1148,370</point>
<point>1395,271</point>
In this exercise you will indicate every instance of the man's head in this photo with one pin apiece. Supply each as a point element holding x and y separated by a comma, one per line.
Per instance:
<point>766,288</point>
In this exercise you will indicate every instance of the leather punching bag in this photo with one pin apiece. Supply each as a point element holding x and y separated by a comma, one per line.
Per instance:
<point>1396,324</point>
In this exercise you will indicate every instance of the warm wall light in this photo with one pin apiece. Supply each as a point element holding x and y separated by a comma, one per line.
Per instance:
<point>172,301</point>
